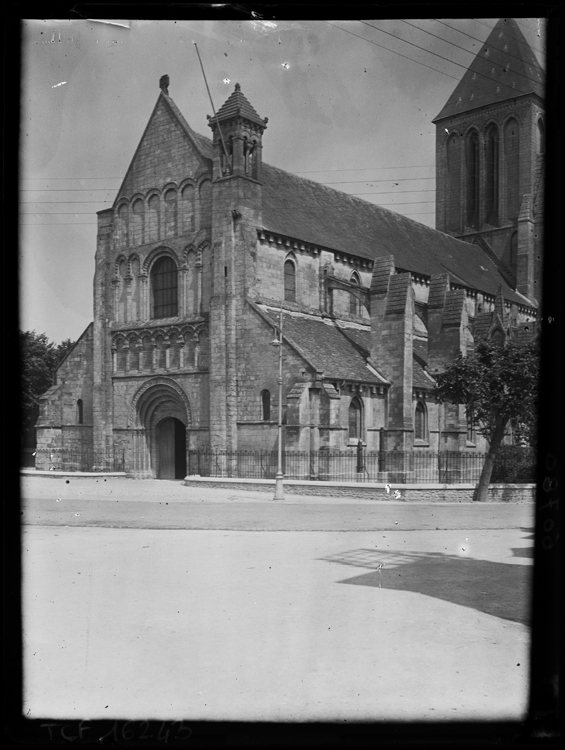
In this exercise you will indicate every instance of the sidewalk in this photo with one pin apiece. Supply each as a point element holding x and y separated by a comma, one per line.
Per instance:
<point>158,504</point>
<point>108,486</point>
<point>99,486</point>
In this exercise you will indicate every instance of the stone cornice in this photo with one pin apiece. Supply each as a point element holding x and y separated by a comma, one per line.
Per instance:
<point>134,326</point>
<point>489,109</point>
<point>291,244</point>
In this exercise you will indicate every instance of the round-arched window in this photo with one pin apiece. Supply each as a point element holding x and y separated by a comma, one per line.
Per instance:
<point>420,422</point>
<point>164,288</point>
<point>354,307</point>
<point>355,419</point>
<point>265,406</point>
<point>289,281</point>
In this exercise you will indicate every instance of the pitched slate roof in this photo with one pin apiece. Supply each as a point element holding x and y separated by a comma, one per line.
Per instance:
<point>420,348</point>
<point>505,68</point>
<point>237,104</point>
<point>420,379</point>
<point>314,213</point>
<point>311,212</point>
<point>340,351</point>
<point>325,347</point>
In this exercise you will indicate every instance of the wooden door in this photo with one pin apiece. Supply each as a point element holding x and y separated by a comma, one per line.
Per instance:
<point>166,440</point>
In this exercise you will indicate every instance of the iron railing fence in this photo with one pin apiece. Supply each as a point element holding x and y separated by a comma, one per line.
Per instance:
<point>82,458</point>
<point>515,465</point>
<point>445,467</point>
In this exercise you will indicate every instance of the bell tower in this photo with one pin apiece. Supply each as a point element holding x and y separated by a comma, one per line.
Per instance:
<point>237,132</point>
<point>489,157</point>
<point>237,139</point>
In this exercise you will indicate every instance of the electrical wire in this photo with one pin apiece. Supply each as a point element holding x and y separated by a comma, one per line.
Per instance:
<point>470,52</point>
<point>476,39</point>
<point>447,59</point>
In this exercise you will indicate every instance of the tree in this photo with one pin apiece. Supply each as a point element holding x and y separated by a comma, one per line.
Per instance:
<point>499,386</point>
<point>39,360</point>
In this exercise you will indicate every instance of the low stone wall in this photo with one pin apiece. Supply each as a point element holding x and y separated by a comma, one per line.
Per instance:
<point>74,474</point>
<point>426,493</point>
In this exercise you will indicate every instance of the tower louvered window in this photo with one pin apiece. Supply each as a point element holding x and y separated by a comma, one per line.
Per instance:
<point>453,198</point>
<point>512,168</point>
<point>491,181</point>
<point>164,286</point>
<point>472,168</point>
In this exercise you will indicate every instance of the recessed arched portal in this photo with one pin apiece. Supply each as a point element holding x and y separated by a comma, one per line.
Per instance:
<point>161,413</point>
<point>171,447</point>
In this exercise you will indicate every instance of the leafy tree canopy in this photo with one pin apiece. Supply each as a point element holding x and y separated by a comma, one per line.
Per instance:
<point>39,359</point>
<point>499,384</point>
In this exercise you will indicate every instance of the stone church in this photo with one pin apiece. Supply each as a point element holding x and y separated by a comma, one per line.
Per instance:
<point>206,244</point>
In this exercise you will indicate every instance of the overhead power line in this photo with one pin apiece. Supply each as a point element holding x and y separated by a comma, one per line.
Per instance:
<point>447,59</point>
<point>393,180</point>
<point>368,169</point>
<point>311,171</point>
<point>364,38</point>
<point>458,46</point>
<point>476,39</point>
<point>490,28</point>
<point>411,59</point>
<point>370,182</point>
<point>58,203</point>
<point>72,178</point>
<point>384,192</point>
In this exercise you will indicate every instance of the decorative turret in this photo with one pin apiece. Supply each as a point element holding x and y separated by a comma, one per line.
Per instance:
<point>237,138</point>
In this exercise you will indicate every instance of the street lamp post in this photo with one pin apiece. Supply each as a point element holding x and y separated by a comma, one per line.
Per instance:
<point>279,489</point>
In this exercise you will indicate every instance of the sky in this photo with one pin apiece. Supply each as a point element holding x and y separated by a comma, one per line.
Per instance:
<point>350,104</point>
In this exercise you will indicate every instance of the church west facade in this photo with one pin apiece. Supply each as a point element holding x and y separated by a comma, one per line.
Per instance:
<point>206,243</point>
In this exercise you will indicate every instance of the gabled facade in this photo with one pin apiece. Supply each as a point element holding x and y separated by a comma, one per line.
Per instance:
<point>204,246</point>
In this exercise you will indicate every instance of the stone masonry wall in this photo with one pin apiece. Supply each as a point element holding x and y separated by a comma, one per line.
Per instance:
<point>164,155</point>
<point>510,493</point>
<point>59,405</point>
<point>258,369</point>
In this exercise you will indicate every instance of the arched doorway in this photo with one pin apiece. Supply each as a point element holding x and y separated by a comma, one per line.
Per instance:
<point>171,449</point>
<point>160,415</point>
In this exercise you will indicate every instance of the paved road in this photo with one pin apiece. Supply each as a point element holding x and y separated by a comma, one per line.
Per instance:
<point>393,623</point>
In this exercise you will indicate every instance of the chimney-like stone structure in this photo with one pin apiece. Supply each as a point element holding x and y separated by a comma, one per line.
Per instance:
<point>392,312</point>
<point>448,323</point>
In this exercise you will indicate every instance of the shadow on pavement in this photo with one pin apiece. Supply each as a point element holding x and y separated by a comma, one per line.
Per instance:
<point>499,589</point>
